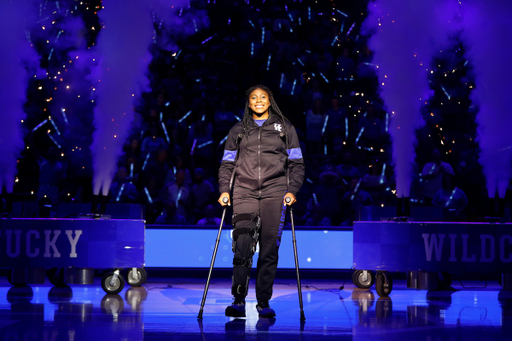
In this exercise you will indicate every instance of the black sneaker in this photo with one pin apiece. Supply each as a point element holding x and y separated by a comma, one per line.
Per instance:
<point>236,309</point>
<point>264,310</point>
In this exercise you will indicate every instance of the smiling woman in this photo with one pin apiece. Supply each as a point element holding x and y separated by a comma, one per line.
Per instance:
<point>263,151</point>
<point>259,104</point>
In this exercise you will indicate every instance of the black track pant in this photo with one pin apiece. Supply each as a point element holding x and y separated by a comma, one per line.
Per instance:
<point>268,204</point>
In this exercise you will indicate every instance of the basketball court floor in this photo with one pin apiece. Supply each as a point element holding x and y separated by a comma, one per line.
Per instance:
<point>166,309</point>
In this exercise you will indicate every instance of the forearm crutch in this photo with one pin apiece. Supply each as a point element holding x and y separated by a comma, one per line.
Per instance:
<point>200,315</point>
<point>225,200</point>
<point>294,241</point>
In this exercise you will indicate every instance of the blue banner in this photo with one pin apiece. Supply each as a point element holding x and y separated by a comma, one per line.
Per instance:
<point>192,247</point>
<point>430,246</point>
<point>84,243</point>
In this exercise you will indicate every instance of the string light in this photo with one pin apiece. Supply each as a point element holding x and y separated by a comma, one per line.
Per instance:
<point>268,64</point>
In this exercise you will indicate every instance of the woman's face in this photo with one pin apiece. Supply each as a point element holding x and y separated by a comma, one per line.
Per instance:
<point>259,102</point>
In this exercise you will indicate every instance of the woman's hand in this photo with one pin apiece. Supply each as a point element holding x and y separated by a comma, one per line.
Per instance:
<point>224,202</point>
<point>292,199</point>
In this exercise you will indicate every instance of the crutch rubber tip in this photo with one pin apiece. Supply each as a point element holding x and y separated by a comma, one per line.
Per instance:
<point>302,316</point>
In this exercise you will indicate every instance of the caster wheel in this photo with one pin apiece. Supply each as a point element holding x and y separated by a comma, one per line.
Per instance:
<point>357,279</point>
<point>9,279</point>
<point>56,277</point>
<point>446,282</point>
<point>138,278</point>
<point>380,282</point>
<point>109,287</point>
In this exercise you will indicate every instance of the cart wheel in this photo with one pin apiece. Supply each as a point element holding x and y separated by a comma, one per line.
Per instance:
<point>447,280</point>
<point>357,279</point>
<point>112,288</point>
<point>56,277</point>
<point>380,281</point>
<point>9,279</point>
<point>139,278</point>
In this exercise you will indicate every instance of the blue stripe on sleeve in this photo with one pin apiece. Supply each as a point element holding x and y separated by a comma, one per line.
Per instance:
<point>229,155</point>
<point>294,153</point>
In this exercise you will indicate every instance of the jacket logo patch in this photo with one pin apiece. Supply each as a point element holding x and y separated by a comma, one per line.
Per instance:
<point>277,127</point>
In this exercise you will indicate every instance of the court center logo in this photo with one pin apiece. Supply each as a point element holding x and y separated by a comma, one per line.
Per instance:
<point>277,127</point>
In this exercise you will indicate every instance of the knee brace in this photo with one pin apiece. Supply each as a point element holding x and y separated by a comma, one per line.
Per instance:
<point>246,229</point>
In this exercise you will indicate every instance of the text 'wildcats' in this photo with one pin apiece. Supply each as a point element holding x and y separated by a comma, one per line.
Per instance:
<point>435,244</point>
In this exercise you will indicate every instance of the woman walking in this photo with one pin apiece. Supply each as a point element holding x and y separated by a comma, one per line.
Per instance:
<point>263,150</point>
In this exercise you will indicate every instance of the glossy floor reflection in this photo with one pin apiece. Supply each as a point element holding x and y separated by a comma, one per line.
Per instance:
<point>166,309</point>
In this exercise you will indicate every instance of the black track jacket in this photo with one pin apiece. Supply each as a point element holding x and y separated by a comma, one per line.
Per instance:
<point>262,160</point>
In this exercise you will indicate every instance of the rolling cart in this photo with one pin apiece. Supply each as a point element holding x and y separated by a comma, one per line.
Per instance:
<point>429,252</point>
<point>71,249</point>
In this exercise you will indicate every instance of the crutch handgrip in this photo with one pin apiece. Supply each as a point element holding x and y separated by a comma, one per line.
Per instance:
<point>225,200</point>
<point>288,200</point>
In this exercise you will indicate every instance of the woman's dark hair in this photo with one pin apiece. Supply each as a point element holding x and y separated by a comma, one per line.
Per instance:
<point>273,110</point>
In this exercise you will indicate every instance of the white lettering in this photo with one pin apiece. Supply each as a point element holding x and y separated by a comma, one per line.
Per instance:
<point>73,241</point>
<point>51,243</point>
<point>483,257</point>
<point>16,253</point>
<point>434,244</point>
<point>28,237</point>
<point>465,257</point>
<point>502,248</point>
<point>452,248</point>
